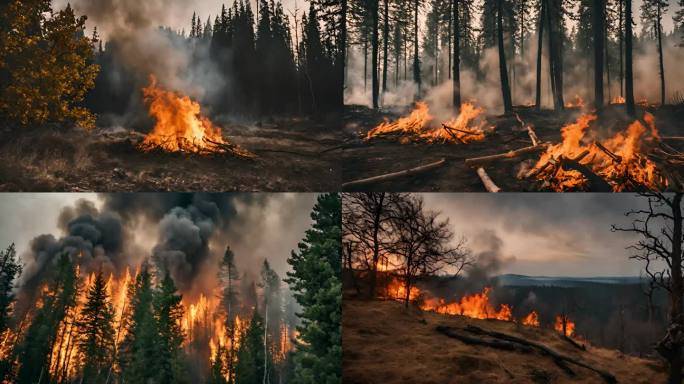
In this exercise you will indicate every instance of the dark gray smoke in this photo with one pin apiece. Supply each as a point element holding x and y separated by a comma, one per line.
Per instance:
<point>489,260</point>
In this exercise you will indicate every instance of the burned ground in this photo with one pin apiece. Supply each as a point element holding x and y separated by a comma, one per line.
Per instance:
<point>383,342</point>
<point>381,155</point>
<point>290,156</point>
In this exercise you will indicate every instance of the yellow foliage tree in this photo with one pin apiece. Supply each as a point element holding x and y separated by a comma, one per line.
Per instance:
<point>46,64</point>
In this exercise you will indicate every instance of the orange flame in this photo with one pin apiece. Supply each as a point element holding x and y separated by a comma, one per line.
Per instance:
<point>564,325</point>
<point>476,306</point>
<point>531,320</point>
<point>179,125</point>
<point>577,102</point>
<point>420,123</point>
<point>619,159</point>
<point>618,100</point>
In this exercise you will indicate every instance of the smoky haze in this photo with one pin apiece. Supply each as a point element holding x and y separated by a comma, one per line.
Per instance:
<point>543,234</point>
<point>182,234</point>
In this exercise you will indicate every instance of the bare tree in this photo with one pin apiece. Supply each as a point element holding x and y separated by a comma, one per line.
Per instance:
<point>660,249</point>
<point>422,243</point>
<point>365,222</point>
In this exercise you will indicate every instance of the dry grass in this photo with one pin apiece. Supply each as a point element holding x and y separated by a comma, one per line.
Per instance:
<point>383,342</point>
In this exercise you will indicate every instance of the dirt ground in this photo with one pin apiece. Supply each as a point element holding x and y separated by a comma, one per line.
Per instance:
<point>362,159</point>
<point>383,342</point>
<point>290,153</point>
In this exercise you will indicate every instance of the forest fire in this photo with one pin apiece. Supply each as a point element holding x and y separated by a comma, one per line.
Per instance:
<point>564,325</point>
<point>618,160</point>
<point>618,100</point>
<point>475,305</point>
<point>421,125</point>
<point>180,127</point>
<point>203,324</point>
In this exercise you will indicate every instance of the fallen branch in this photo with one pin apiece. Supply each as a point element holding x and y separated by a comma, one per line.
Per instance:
<point>487,181</point>
<point>495,343</point>
<point>453,136</point>
<point>477,161</point>
<point>448,129</point>
<point>672,138</point>
<point>394,175</point>
<point>558,357</point>
<point>616,158</point>
<point>573,342</point>
<point>596,182</point>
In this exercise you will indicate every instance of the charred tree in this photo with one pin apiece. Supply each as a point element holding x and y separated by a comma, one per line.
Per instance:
<point>598,13</point>
<point>659,34</point>
<point>660,248</point>
<point>456,60</point>
<point>385,42</point>
<point>374,10</point>
<point>629,74</point>
<point>416,58</point>
<point>503,72</point>
<point>554,17</point>
<point>540,35</point>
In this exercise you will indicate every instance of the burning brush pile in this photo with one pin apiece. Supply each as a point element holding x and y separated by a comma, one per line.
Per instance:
<point>618,163</point>
<point>180,127</point>
<point>476,306</point>
<point>420,125</point>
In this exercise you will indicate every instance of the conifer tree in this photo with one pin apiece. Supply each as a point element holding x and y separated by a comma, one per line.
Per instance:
<point>229,276</point>
<point>96,332</point>
<point>250,362</point>
<point>315,281</point>
<point>10,269</point>
<point>169,313</point>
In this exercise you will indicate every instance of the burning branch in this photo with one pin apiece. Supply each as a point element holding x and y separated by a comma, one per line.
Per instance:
<point>479,161</point>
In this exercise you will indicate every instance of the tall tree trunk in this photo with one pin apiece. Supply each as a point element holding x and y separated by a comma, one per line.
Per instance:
<point>503,72</point>
<point>456,61</point>
<point>659,31</point>
<point>621,22</point>
<point>342,52</point>
<point>555,39</point>
<point>450,34</point>
<point>676,305</point>
<point>365,64</point>
<point>416,60</point>
<point>385,41</point>
<point>629,75</point>
<point>607,57</point>
<point>540,38</point>
<point>598,15</point>
<point>374,54</point>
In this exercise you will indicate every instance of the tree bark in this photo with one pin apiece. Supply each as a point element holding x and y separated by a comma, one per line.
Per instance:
<point>540,35</point>
<point>598,14</point>
<point>629,75</point>
<point>342,51</point>
<point>659,31</point>
<point>503,71</point>
<point>416,60</point>
<point>374,52</point>
<point>677,307</point>
<point>456,61</point>
<point>376,245</point>
<point>385,41</point>
<point>621,41</point>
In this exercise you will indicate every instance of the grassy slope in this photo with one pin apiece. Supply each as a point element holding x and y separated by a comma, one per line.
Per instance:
<point>383,342</point>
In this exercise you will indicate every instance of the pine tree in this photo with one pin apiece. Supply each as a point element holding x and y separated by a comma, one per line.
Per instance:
<point>138,356</point>
<point>10,269</point>
<point>270,282</point>
<point>315,281</point>
<point>250,362</point>
<point>169,313</point>
<point>57,300</point>
<point>96,332</point>
<point>229,276</point>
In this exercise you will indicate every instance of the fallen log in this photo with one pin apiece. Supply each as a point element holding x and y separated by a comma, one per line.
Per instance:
<point>558,357</point>
<point>672,138</point>
<point>478,161</point>
<point>487,181</point>
<point>493,343</point>
<point>394,175</point>
<point>616,158</point>
<point>596,182</point>
<point>574,343</point>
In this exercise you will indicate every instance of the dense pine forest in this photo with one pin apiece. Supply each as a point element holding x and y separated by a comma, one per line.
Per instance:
<point>77,324</point>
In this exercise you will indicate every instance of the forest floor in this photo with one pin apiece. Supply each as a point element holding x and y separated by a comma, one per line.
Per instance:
<point>383,342</point>
<point>382,155</point>
<point>290,156</point>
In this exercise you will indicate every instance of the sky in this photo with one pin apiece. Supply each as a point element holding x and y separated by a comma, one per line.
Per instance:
<point>267,228</point>
<point>552,234</point>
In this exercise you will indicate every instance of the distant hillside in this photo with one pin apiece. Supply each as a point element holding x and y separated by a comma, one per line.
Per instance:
<point>559,281</point>
<point>385,343</point>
